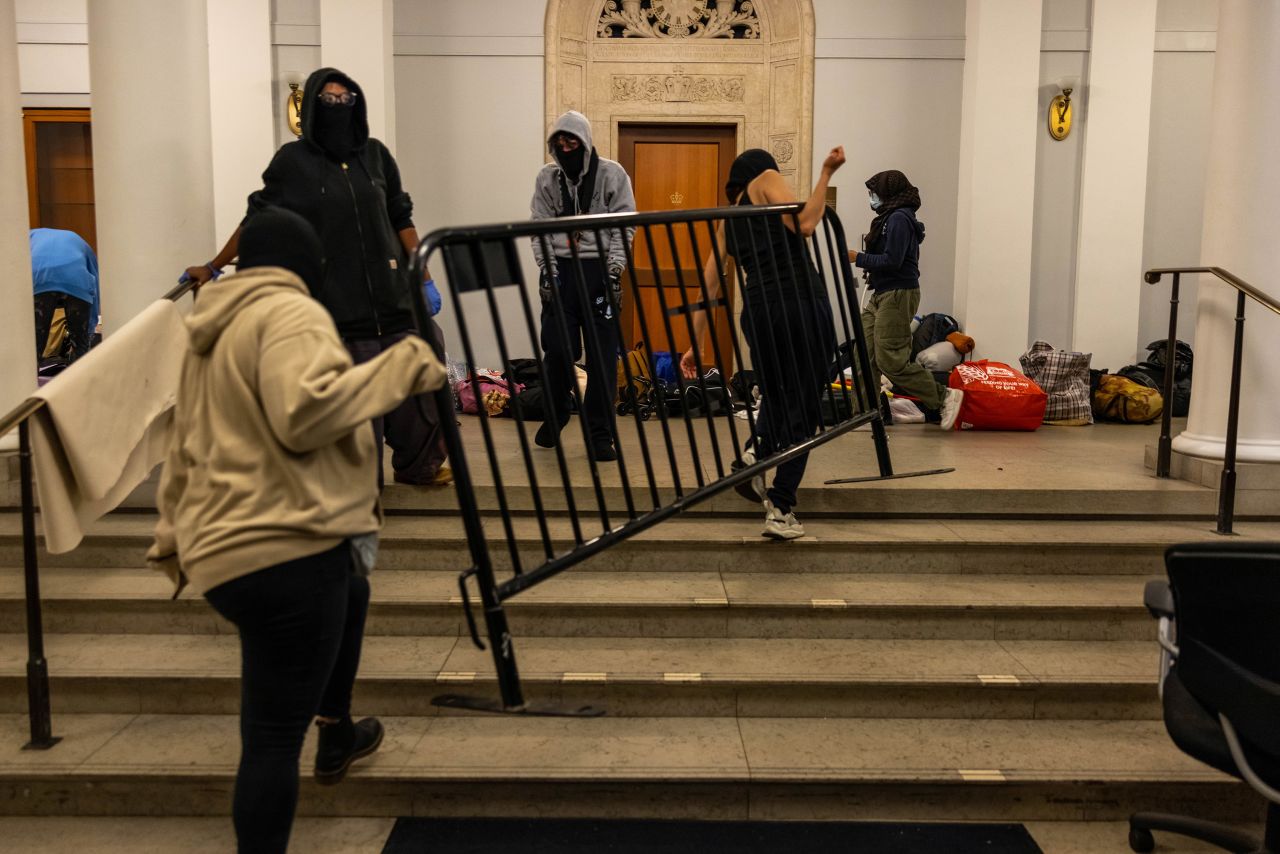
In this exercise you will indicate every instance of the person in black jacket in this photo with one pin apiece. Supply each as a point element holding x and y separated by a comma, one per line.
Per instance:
<point>892,262</point>
<point>347,186</point>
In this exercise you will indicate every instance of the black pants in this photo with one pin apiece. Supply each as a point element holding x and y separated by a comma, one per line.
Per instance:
<point>301,625</point>
<point>562,344</point>
<point>413,428</point>
<point>78,322</point>
<point>792,347</point>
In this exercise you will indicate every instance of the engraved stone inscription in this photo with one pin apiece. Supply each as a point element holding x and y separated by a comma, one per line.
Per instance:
<point>677,88</point>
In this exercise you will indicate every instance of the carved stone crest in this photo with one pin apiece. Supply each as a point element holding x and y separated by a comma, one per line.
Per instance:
<point>679,19</point>
<point>783,150</point>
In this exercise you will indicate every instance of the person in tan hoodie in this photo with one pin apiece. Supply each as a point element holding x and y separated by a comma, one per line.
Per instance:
<point>269,506</point>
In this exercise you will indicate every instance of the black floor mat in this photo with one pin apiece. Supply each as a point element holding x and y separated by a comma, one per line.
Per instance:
<point>580,836</point>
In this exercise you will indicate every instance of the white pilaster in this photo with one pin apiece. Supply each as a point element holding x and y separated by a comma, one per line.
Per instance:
<point>1113,191</point>
<point>152,176</point>
<point>1242,207</point>
<point>996,200</point>
<point>18,340</point>
<point>355,37</point>
<point>240,92</point>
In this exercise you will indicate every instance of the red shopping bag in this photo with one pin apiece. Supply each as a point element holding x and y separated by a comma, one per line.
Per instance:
<point>996,397</point>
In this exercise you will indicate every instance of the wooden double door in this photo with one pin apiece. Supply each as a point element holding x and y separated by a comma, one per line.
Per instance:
<point>675,167</point>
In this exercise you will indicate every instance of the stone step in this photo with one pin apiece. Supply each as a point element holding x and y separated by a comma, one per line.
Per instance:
<point>649,677</point>
<point>193,835</point>
<point>695,603</point>
<point>208,835</point>
<point>1052,473</point>
<point>734,545</point>
<point>709,768</point>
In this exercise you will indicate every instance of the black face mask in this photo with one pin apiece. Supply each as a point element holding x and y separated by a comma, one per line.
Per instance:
<point>571,161</point>
<point>335,129</point>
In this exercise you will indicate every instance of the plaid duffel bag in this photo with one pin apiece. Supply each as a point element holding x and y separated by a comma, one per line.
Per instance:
<point>1064,376</point>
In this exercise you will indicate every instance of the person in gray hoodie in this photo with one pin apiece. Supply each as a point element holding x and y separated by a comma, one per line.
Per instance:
<point>580,298</point>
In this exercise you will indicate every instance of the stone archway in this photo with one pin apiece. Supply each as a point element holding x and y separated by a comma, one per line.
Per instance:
<point>743,62</point>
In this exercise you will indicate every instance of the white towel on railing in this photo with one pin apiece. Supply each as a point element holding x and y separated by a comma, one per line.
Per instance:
<point>106,423</point>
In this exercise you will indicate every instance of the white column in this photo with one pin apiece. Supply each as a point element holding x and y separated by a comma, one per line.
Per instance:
<point>1113,191</point>
<point>152,176</point>
<point>1242,207</point>
<point>240,93</point>
<point>18,340</point>
<point>996,198</point>
<point>355,37</point>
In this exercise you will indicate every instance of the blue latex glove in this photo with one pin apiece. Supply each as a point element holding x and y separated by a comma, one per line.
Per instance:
<point>432,295</point>
<point>217,274</point>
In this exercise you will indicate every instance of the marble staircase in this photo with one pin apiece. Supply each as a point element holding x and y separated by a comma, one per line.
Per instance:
<point>893,664</point>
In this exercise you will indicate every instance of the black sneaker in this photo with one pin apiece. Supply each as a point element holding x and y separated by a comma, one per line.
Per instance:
<point>341,744</point>
<point>603,452</point>
<point>548,435</point>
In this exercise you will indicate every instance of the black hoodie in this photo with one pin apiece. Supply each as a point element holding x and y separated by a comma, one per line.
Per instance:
<point>357,206</point>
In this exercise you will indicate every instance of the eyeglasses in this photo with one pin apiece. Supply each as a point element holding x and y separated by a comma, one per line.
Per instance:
<point>567,141</point>
<point>329,99</point>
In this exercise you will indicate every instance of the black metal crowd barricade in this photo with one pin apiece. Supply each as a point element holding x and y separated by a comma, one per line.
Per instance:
<point>699,449</point>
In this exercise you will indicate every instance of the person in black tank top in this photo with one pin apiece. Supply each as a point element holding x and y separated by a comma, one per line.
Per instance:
<point>786,322</point>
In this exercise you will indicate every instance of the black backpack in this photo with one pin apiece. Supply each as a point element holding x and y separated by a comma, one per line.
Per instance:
<point>530,404</point>
<point>1151,373</point>
<point>524,371</point>
<point>932,329</point>
<point>1182,357</point>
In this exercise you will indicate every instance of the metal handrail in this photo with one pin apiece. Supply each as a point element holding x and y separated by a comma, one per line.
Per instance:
<point>42,737</point>
<point>1152,276</point>
<point>1227,484</point>
<point>20,413</point>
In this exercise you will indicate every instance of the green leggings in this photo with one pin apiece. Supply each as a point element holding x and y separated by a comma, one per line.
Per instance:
<point>886,323</point>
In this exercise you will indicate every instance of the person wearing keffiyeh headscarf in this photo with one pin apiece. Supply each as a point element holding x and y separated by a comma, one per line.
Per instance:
<point>891,264</point>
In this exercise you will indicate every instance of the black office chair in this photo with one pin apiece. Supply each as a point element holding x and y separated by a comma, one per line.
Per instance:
<point>1220,678</point>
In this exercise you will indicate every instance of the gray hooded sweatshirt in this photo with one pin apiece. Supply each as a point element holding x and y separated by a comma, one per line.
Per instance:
<point>612,194</point>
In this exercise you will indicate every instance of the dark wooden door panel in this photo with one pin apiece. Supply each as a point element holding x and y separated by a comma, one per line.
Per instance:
<point>675,167</point>
<point>59,149</point>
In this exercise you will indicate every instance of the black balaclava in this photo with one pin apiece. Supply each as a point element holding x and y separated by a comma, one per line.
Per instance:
<point>335,130</point>
<point>276,237</point>
<point>746,168</point>
<point>340,132</point>
<point>895,192</point>
<point>571,161</point>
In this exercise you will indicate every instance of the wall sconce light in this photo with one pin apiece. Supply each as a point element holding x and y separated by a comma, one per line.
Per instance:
<point>1060,108</point>
<point>293,109</point>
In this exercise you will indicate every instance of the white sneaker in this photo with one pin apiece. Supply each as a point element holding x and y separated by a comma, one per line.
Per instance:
<point>779,525</point>
<point>951,408</point>
<point>752,490</point>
